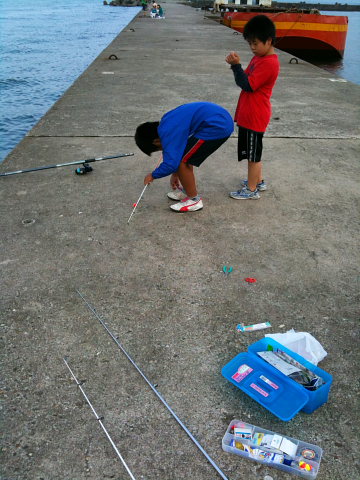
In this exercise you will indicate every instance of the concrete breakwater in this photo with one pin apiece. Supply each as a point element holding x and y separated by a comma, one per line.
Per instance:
<point>122,3</point>
<point>159,281</point>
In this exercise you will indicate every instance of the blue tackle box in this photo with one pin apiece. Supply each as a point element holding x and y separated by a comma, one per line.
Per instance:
<point>275,391</point>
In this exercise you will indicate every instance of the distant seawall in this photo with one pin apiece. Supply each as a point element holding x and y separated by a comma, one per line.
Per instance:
<point>337,7</point>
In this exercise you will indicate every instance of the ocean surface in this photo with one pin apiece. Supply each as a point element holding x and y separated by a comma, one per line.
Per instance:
<point>46,44</point>
<point>349,66</point>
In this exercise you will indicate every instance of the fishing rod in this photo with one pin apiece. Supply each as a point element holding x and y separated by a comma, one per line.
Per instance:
<point>86,168</point>
<point>141,194</point>
<point>99,419</point>
<point>136,204</point>
<point>153,388</point>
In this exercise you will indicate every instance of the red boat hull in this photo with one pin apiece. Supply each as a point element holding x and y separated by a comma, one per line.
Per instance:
<point>302,34</point>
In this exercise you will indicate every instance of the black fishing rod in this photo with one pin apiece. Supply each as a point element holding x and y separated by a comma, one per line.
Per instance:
<point>86,168</point>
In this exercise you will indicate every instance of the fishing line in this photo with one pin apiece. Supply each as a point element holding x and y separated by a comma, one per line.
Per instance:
<point>209,459</point>
<point>99,419</point>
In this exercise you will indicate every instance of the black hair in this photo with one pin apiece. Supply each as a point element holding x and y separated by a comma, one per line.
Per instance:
<point>260,27</point>
<point>145,134</point>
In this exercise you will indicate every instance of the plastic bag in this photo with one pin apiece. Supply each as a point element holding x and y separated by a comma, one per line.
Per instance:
<point>302,343</point>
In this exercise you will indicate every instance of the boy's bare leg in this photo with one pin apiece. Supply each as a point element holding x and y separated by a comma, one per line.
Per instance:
<point>254,174</point>
<point>187,178</point>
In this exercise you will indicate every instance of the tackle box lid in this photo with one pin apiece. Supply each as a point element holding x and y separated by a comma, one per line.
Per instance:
<point>279,394</point>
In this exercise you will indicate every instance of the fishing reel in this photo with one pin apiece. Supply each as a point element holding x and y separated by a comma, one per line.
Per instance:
<point>86,168</point>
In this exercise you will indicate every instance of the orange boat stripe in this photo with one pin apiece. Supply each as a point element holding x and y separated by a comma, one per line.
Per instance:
<point>327,27</point>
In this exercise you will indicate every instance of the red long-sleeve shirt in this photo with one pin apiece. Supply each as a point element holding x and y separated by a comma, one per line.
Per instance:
<point>253,110</point>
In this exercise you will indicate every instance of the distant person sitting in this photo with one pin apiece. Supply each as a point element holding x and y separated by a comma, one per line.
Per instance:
<point>154,12</point>
<point>161,12</point>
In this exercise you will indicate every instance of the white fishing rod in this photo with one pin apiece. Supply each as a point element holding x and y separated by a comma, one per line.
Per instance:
<point>207,456</point>
<point>136,204</point>
<point>141,194</point>
<point>99,419</point>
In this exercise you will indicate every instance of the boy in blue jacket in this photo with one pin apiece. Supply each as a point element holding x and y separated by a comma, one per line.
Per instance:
<point>186,135</point>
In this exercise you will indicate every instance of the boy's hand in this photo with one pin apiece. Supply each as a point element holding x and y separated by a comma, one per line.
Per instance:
<point>175,182</point>
<point>233,58</point>
<point>148,179</point>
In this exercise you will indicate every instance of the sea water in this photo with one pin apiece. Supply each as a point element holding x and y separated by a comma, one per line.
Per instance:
<point>44,46</point>
<point>349,66</point>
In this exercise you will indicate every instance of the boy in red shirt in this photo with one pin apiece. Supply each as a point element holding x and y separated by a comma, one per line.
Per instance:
<point>253,110</point>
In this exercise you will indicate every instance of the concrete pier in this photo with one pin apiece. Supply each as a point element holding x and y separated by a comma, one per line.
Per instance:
<point>158,282</point>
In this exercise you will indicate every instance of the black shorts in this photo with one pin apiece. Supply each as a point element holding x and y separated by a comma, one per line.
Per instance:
<point>196,150</point>
<point>249,145</point>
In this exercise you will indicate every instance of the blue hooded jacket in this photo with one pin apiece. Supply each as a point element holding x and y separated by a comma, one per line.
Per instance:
<point>203,120</point>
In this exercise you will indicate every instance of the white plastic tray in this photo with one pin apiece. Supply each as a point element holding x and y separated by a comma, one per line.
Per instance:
<point>300,455</point>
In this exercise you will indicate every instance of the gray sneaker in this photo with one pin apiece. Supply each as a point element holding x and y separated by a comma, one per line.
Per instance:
<point>177,194</point>
<point>260,186</point>
<point>245,194</point>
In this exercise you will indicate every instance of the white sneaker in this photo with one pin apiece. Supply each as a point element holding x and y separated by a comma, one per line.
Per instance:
<point>187,205</point>
<point>177,194</point>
